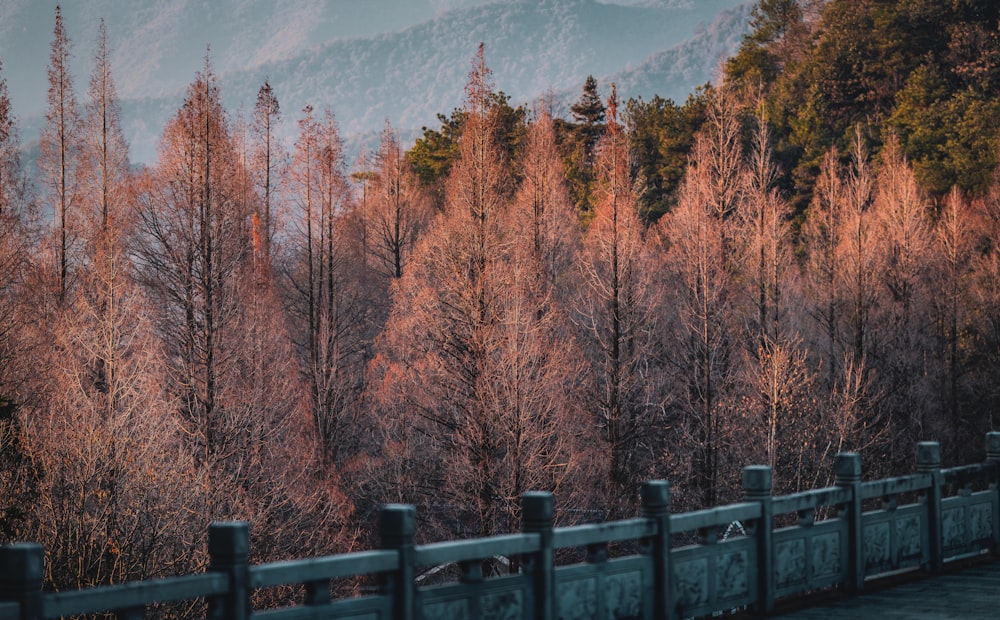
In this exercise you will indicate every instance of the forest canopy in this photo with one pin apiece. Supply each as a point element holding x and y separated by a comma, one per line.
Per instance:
<point>928,71</point>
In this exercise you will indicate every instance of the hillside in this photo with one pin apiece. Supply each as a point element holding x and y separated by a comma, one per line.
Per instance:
<point>927,72</point>
<point>673,73</point>
<point>407,75</point>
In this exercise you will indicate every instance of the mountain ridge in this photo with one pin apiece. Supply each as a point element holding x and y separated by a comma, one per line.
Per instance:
<point>411,75</point>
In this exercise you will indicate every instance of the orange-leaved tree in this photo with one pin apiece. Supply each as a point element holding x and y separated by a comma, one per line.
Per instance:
<point>614,308</point>
<point>473,371</point>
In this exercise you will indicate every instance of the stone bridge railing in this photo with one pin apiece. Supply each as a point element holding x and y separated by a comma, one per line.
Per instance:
<point>954,515</point>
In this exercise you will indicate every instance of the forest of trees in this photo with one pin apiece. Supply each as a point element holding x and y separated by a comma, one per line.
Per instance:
<point>799,260</point>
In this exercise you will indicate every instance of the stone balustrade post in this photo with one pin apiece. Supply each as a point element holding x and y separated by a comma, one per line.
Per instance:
<point>847,474</point>
<point>397,525</point>
<point>757,488</point>
<point>993,456</point>
<point>537,514</point>
<point>228,551</point>
<point>656,506</point>
<point>21,574</point>
<point>929,462</point>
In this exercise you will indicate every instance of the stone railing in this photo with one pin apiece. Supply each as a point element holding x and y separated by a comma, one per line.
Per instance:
<point>953,514</point>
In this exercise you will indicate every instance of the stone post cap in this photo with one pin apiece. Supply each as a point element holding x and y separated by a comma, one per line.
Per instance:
<point>537,509</point>
<point>928,456</point>
<point>847,467</point>
<point>229,540</point>
<point>757,480</point>
<point>655,496</point>
<point>397,523</point>
<point>993,446</point>
<point>22,563</point>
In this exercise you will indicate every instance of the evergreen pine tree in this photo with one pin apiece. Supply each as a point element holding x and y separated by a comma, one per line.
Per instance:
<point>589,109</point>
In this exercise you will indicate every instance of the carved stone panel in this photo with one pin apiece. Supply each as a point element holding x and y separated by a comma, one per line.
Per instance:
<point>577,599</point>
<point>790,563</point>
<point>507,605</point>
<point>825,555</point>
<point>623,596</point>
<point>691,582</point>
<point>980,522</point>
<point>877,548</point>
<point>447,610</point>
<point>953,528</point>
<point>907,538</point>
<point>731,574</point>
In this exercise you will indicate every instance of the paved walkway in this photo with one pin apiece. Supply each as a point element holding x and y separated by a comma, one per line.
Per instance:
<point>973,592</point>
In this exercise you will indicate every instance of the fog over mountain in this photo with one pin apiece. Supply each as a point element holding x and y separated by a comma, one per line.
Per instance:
<point>368,61</point>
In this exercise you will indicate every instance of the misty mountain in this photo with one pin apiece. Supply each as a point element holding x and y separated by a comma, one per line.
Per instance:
<point>408,75</point>
<point>674,73</point>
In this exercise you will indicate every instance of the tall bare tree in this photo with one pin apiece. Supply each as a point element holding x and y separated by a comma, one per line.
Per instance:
<point>399,210</point>
<point>267,160</point>
<point>774,369</point>
<point>446,313</point>
<point>699,332</point>
<point>543,215</point>
<point>107,438</point>
<point>762,239</point>
<point>232,371</point>
<point>326,303</point>
<point>18,477</point>
<point>107,205</point>
<point>475,398</point>
<point>60,149</point>
<point>857,251</point>
<point>615,310</point>
<point>821,238</point>
<point>194,245</point>
<point>840,283</point>
<point>902,224</point>
<point>703,260</point>
<point>104,165</point>
<point>952,305</point>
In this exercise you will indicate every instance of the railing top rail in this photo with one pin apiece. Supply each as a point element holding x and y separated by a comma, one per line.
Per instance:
<point>476,548</point>
<point>601,533</point>
<point>964,474</point>
<point>811,499</point>
<point>135,594</point>
<point>323,568</point>
<point>884,487</point>
<point>714,517</point>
